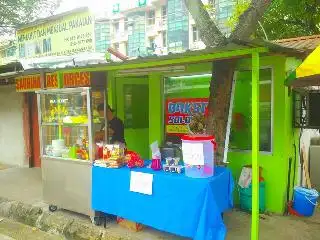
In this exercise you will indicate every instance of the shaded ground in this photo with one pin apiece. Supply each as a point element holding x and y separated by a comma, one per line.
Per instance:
<point>274,227</point>
<point>10,230</point>
<point>25,185</point>
<point>21,184</point>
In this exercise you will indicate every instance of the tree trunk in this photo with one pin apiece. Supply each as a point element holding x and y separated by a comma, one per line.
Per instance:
<point>209,32</point>
<point>219,103</point>
<point>248,21</point>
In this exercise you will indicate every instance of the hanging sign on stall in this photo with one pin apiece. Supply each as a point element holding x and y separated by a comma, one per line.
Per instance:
<point>179,113</point>
<point>52,80</point>
<point>28,83</point>
<point>76,79</point>
<point>141,182</point>
<point>193,153</point>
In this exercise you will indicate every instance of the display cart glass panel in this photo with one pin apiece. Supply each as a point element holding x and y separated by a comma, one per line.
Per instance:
<point>69,119</point>
<point>65,125</point>
<point>65,122</point>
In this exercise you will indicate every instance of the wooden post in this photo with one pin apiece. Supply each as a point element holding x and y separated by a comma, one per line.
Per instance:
<point>255,147</point>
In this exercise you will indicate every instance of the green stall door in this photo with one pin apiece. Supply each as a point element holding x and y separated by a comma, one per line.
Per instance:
<point>133,108</point>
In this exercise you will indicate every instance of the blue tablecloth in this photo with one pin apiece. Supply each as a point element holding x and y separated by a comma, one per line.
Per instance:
<point>181,205</point>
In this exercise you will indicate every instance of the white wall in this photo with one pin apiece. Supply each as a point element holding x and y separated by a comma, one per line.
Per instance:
<point>11,127</point>
<point>306,136</point>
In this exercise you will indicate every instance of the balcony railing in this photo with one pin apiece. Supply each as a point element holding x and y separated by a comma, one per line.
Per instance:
<point>197,45</point>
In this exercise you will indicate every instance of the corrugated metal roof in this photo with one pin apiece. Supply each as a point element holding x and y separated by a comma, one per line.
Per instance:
<point>306,43</point>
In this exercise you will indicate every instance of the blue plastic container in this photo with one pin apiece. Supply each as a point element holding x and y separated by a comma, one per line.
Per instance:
<point>246,198</point>
<point>305,201</point>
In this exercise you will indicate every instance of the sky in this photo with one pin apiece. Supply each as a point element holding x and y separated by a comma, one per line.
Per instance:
<point>96,6</point>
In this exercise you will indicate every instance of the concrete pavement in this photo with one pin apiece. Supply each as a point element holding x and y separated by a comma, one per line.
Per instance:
<point>21,184</point>
<point>11,230</point>
<point>274,227</point>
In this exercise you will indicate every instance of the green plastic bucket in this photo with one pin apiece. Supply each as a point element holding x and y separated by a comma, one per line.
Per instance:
<point>246,198</point>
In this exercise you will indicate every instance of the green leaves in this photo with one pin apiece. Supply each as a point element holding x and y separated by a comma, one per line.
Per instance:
<point>284,18</point>
<point>239,9</point>
<point>16,12</point>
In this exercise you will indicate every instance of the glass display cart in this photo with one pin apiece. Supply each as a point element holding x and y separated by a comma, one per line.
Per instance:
<point>68,120</point>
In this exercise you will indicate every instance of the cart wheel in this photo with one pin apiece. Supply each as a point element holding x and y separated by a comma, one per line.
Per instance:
<point>53,208</point>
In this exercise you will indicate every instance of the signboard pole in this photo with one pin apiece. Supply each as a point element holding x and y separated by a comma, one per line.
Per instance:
<point>255,147</point>
<point>226,144</point>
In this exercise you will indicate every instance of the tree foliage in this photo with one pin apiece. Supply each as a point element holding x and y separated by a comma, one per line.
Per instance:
<point>284,18</point>
<point>16,12</point>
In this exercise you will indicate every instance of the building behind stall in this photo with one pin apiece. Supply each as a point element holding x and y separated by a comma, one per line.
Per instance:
<point>140,28</point>
<point>146,27</point>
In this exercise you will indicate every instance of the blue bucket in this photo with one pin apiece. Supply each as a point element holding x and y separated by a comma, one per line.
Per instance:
<point>305,201</point>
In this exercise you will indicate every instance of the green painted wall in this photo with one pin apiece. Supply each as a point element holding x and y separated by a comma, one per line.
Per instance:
<point>155,109</point>
<point>275,164</point>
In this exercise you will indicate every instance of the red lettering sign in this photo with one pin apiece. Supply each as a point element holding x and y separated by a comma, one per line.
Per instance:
<point>28,83</point>
<point>76,79</point>
<point>51,80</point>
<point>179,113</point>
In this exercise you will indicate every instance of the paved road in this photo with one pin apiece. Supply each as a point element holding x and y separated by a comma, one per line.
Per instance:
<point>10,230</point>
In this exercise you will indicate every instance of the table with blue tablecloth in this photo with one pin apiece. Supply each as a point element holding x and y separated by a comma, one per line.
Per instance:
<point>189,207</point>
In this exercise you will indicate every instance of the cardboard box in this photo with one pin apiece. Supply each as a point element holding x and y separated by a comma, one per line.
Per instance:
<point>133,226</point>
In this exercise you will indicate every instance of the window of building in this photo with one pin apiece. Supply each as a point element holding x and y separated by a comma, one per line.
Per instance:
<point>164,12</point>
<point>195,34</point>
<point>116,8</point>
<point>137,37</point>
<point>151,17</point>
<point>152,43</point>
<point>126,24</point>
<point>178,26</point>
<point>164,38</point>
<point>142,3</point>
<point>116,46</point>
<point>126,48</point>
<point>240,137</point>
<point>116,27</point>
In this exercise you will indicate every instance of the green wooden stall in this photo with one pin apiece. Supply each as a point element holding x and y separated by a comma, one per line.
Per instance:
<point>137,90</point>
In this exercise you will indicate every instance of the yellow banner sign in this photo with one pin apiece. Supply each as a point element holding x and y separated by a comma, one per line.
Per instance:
<point>66,35</point>
<point>28,83</point>
<point>177,129</point>
<point>76,79</point>
<point>52,80</point>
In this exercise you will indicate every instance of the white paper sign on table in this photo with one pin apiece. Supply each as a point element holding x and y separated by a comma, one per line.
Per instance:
<point>193,153</point>
<point>141,182</point>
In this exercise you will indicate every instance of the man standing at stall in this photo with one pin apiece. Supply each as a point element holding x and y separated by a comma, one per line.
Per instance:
<point>115,126</point>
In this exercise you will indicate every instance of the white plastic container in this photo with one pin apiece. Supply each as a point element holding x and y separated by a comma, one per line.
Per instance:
<point>198,155</point>
<point>58,144</point>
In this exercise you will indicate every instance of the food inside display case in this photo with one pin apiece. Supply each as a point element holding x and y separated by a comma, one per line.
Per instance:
<point>65,122</point>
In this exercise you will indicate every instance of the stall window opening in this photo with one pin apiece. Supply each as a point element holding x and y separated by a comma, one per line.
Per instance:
<point>240,136</point>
